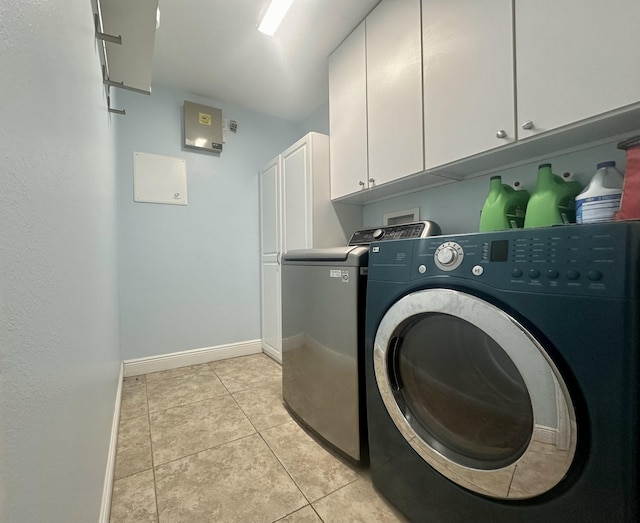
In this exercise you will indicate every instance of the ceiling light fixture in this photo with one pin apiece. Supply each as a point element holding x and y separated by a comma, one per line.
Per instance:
<point>273,16</point>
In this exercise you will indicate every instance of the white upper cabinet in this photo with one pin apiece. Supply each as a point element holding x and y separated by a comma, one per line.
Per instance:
<point>468,78</point>
<point>394,90</point>
<point>574,59</point>
<point>348,115</point>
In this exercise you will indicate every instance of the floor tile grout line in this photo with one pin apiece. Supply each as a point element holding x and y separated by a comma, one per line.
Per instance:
<point>204,450</point>
<point>153,468</point>
<point>190,403</point>
<point>285,469</point>
<point>275,456</point>
<point>298,510</point>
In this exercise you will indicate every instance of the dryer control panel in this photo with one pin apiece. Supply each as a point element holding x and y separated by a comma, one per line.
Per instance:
<point>590,260</point>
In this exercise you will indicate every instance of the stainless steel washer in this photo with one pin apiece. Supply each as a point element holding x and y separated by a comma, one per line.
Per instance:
<point>323,313</point>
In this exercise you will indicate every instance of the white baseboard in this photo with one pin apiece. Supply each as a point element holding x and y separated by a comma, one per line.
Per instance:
<point>190,357</point>
<point>107,490</point>
<point>272,353</point>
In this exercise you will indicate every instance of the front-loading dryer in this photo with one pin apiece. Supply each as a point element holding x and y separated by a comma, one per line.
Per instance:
<point>502,375</point>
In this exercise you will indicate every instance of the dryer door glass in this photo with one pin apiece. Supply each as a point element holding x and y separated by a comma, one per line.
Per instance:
<point>464,392</point>
<point>475,394</point>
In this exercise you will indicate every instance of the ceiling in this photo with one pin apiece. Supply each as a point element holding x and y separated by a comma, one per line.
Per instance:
<point>212,48</point>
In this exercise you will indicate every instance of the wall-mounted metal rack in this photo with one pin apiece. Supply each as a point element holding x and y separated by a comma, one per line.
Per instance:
<point>126,31</point>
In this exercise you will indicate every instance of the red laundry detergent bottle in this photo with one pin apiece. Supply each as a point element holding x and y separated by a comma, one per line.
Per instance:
<point>630,205</point>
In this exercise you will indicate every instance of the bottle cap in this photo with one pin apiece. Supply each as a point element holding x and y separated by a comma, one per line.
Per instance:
<point>610,163</point>
<point>495,178</point>
<point>543,165</point>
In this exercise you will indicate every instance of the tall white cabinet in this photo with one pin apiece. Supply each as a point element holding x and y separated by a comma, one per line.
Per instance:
<point>296,212</point>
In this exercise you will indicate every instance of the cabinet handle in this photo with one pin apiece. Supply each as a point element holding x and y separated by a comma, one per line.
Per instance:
<point>527,125</point>
<point>361,184</point>
<point>372,181</point>
<point>501,134</point>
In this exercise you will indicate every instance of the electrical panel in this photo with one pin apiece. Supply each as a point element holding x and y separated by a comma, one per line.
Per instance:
<point>202,127</point>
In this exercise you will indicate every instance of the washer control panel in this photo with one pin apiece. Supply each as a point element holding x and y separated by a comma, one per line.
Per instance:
<point>402,231</point>
<point>448,256</point>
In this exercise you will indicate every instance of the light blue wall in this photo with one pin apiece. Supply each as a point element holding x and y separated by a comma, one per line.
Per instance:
<point>59,354</point>
<point>317,121</point>
<point>189,275</point>
<point>456,207</point>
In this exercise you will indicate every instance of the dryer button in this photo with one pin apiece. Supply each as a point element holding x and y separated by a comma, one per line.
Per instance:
<point>594,275</point>
<point>534,273</point>
<point>422,269</point>
<point>572,274</point>
<point>516,273</point>
<point>477,270</point>
<point>552,274</point>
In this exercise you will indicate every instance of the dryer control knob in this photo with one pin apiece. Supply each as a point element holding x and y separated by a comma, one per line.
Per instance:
<point>377,234</point>
<point>447,256</point>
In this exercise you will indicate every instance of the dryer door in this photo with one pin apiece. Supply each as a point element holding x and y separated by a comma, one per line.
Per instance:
<point>475,394</point>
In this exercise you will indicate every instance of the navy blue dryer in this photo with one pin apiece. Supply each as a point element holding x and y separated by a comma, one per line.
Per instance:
<point>502,375</point>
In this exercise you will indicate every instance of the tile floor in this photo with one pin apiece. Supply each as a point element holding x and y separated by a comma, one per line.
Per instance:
<point>213,443</point>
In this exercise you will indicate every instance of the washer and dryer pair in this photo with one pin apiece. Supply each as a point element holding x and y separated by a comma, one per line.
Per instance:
<point>502,375</point>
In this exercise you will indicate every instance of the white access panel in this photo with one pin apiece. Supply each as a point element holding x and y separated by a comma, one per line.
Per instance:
<point>159,179</point>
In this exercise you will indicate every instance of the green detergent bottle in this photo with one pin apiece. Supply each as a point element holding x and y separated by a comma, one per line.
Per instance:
<point>504,208</point>
<point>552,201</point>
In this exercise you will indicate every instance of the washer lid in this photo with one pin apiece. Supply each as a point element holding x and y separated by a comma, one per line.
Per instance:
<point>330,254</point>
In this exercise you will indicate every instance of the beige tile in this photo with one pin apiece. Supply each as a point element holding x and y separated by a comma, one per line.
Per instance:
<point>132,381</point>
<point>134,447</point>
<point>184,389</point>
<point>248,372</point>
<point>134,499</point>
<point>236,482</point>
<point>357,502</point>
<point>134,400</point>
<point>174,373</point>
<point>263,406</point>
<point>315,470</point>
<point>180,431</point>
<point>304,515</point>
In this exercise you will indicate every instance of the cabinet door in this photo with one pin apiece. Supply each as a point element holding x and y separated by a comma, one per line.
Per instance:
<point>297,226</point>
<point>468,78</point>
<point>394,90</point>
<point>575,59</point>
<point>270,240</point>
<point>270,210</point>
<point>270,307</point>
<point>348,115</point>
